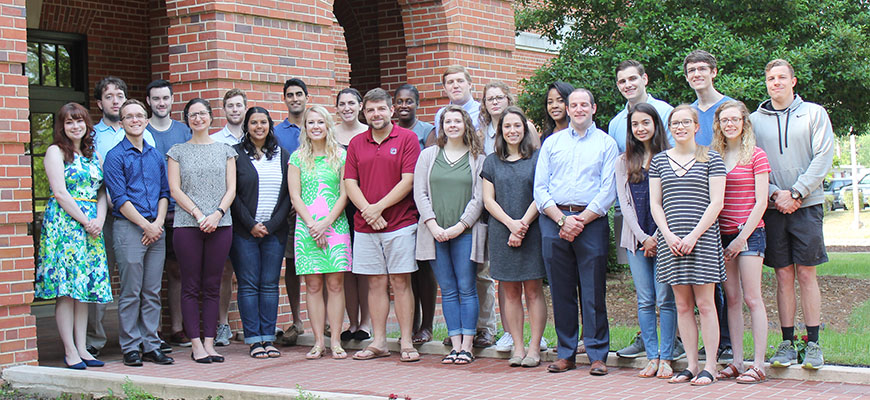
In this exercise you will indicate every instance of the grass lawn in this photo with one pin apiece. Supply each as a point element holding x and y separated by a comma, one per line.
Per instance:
<point>838,225</point>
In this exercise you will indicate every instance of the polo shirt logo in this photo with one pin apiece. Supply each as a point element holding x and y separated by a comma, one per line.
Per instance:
<point>393,151</point>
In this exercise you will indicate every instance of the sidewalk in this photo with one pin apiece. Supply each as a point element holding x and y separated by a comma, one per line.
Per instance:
<point>485,378</point>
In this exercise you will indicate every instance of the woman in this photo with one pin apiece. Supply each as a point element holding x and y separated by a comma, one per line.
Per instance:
<point>356,291</point>
<point>743,233</point>
<point>686,185</point>
<point>556,105</point>
<point>514,235</point>
<point>259,229</point>
<point>322,247</point>
<point>72,264</point>
<point>447,191</point>
<point>202,179</point>
<point>496,98</point>
<point>645,137</point>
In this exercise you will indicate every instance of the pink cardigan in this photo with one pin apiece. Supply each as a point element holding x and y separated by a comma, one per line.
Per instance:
<point>471,215</point>
<point>632,234</point>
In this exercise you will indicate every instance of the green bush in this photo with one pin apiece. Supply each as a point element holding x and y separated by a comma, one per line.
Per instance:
<point>847,198</point>
<point>829,202</point>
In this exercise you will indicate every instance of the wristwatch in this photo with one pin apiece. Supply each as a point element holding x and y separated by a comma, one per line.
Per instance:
<point>562,220</point>
<point>795,195</point>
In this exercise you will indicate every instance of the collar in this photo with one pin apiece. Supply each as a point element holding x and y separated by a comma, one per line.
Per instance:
<point>286,123</point>
<point>370,135</point>
<point>127,145</point>
<point>102,127</point>
<point>589,130</point>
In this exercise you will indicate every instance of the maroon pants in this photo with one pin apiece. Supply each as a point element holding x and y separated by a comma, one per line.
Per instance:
<point>201,258</point>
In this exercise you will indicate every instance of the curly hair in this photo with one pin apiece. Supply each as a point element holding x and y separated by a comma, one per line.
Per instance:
<point>74,111</point>
<point>469,137</point>
<point>747,136</point>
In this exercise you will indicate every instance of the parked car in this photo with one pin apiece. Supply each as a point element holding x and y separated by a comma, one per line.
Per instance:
<point>863,186</point>
<point>832,187</point>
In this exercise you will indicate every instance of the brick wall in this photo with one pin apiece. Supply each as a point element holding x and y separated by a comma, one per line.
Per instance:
<point>17,325</point>
<point>527,61</point>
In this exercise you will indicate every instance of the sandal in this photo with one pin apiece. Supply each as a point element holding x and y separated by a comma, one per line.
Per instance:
<point>752,376</point>
<point>423,336</point>
<point>257,351</point>
<point>409,354</point>
<point>338,353</point>
<point>315,353</point>
<point>464,357</point>
<point>703,375</point>
<point>683,374</point>
<point>271,350</point>
<point>450,358</point>
<point>729,372</point>
<point>665,370</point>
<point>650,370</point>
<point>373,352</point>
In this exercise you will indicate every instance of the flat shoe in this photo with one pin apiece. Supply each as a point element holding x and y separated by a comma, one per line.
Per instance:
<point>346,335</point>
<point>361,335</point>
<point>515,361</point>
<point>216,359</point>
<point>204,360</point>
<point>93,363</point>
<point>529,362</point>
<point>373,352</point>
<point>315,353</point>
<point>562,365</point>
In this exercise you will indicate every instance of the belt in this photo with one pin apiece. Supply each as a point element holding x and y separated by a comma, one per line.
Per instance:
<point>79,199</point>
<point>571,208</point>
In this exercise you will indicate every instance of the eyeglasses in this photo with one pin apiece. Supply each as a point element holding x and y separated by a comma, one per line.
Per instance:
<point>130,117</point>
<point>685,123</point>
<point>200,114</point>
<point>691,71</point>
<point>496,99</point>
<point>733,121</point>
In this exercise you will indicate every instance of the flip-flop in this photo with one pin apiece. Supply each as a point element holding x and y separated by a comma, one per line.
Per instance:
<point>703,374</point>
<point>665,370</point>
<point>409,354</point>
<point>684,373</point>
<point>373,352</point>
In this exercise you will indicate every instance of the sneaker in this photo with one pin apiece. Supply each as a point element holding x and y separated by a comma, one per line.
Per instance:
<point>222,338</point>
<point>785,355</point>
<point>179,339</point>
<point>544,344</point>
<point>165,348</point>
<point>725,356</point>
<point>634,350</point>
<point>505,343</point>
<point>813,357</point>
<point>679,352</point>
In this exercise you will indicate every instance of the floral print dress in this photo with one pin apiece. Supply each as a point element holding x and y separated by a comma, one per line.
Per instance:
<point>71,262</point>
<point>320,192</point>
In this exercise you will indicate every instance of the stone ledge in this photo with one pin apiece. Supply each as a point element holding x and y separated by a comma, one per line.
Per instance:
<point>53,382</point>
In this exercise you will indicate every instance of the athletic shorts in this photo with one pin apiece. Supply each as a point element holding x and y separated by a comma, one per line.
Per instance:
<point>795,238</point>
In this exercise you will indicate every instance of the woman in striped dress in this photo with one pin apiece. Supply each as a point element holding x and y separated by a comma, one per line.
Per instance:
<point>687,185</point>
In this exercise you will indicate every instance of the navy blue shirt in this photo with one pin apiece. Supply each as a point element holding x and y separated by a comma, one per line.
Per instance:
<point>287,135</point>
<point>137,177</point>
<point>177,133</point>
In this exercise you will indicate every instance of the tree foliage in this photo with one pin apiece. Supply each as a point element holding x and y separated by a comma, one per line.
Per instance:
<point>827,41</point>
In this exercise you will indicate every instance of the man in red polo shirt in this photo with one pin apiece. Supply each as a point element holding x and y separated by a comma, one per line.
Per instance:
<point>379,176</point>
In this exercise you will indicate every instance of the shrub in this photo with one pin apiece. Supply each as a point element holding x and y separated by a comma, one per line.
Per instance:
<point>847,198</point>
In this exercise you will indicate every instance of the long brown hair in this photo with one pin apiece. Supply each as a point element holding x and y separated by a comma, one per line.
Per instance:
<point>469,138</point>
<point>635,150</point>
<point>526,147</point>
<point>75,111</point>
<point>747,136</point>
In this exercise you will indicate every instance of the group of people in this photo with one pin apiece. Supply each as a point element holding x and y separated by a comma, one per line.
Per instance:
<point>356,208</point>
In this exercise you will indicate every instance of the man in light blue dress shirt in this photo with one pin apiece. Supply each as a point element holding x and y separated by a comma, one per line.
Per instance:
<point>574,188</point>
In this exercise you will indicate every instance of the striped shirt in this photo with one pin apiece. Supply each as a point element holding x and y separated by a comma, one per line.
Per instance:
<point>270,175</point>
<point>740,193</point>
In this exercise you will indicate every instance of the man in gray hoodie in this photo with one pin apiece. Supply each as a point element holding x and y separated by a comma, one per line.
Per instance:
<point>798,139</point>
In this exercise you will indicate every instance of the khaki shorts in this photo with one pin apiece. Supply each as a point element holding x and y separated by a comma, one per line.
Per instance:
<point>385,253</point>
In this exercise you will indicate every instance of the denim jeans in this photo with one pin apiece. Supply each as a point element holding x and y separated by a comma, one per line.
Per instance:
<point>457,277</point>
<point>257,262</point>
<point>649,294</point>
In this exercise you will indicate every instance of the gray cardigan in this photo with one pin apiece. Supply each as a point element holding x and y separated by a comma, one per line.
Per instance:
<point>471,215</point>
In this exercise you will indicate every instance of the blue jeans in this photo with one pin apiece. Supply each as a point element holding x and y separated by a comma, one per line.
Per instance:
<point>257,263</point>
<point>457,277</point>
<point>649,294</point>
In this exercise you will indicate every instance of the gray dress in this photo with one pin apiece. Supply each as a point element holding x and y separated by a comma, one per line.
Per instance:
<point>203,170</point>
<point>513,182</point>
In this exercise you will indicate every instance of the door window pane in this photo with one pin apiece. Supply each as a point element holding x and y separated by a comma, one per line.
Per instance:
<point>31,69</point>
<point>49,65</point>
<point>64,71</point>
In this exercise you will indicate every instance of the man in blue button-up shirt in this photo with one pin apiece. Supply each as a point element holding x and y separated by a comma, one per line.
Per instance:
<point>574,188</point>
<point>135,176</point>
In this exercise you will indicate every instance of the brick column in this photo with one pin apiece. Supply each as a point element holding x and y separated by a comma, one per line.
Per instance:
<point>17,325</point>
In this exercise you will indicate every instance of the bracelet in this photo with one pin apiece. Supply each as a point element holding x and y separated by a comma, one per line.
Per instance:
<point>221,211</point>
<point>199,221</point>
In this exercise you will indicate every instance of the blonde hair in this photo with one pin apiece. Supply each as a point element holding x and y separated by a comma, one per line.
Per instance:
<point>747,136</point>
<point>485,117</point>
<point>306,150</point>
<point>700,151</point>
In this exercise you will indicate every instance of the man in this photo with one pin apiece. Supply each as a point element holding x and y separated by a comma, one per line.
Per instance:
<point>574,188</point>
<point>136,180</point>
<point>407,100</point>
<point>379,176</point>
<point>287,133</point>
<point>632,80</point>
<point>110,93</point>
<point>798,139</point>
<point>457,87</point>
<point>700,69</point>
<point>235,104</point>
<point>168,132</point>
